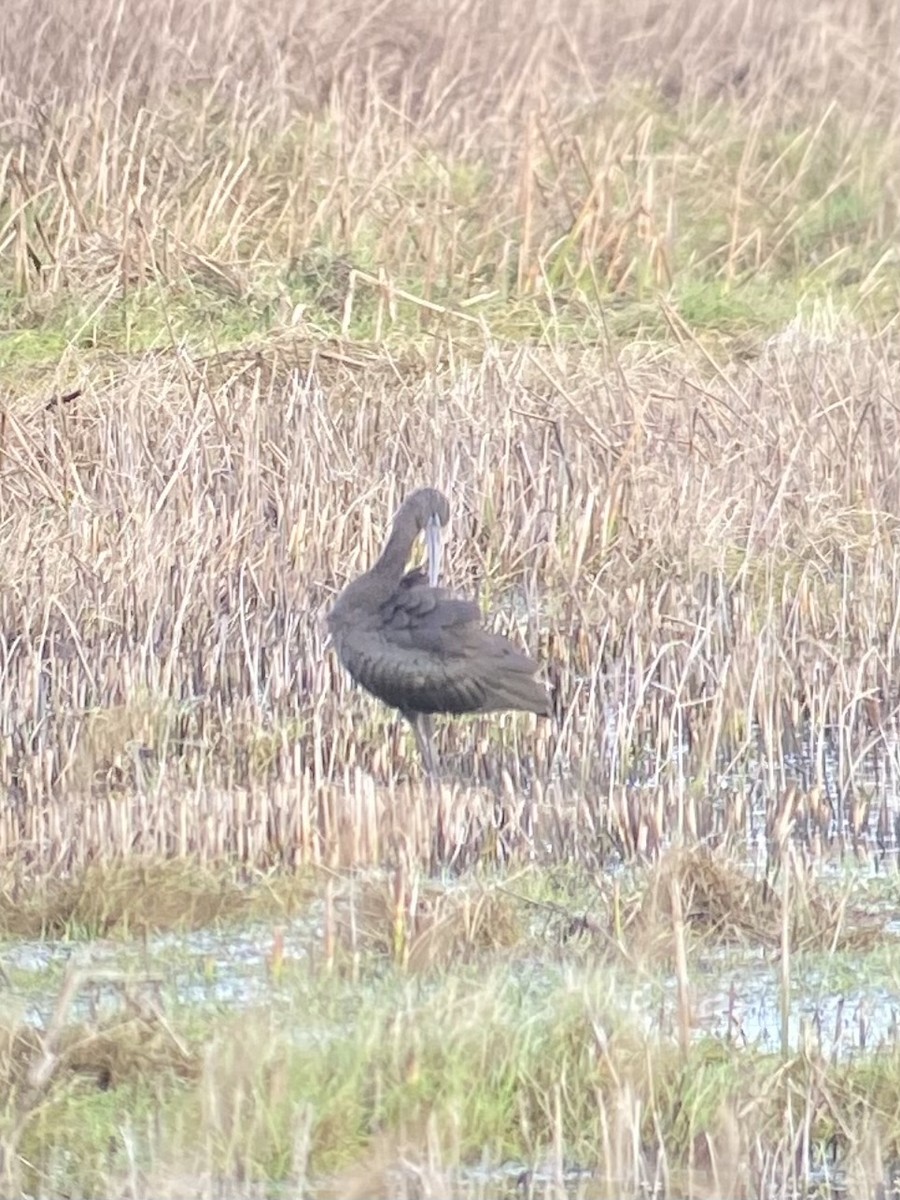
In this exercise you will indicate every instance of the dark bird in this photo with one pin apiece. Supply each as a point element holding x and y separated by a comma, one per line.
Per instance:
<point>419,648</point>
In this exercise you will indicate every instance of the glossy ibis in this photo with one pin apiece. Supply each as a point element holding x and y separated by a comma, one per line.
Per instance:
<point>419,648</point>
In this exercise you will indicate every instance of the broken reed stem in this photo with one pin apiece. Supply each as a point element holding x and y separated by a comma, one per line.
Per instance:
<point>683,999</point>
<point>784,991</point>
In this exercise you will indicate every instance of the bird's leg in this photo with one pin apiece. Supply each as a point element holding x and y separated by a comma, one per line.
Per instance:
<point>421,724</point>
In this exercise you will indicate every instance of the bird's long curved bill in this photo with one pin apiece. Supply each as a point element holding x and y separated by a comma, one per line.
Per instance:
<point>433,544</point>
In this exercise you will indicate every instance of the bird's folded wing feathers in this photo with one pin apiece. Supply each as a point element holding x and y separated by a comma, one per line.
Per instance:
<point>417,681</point>
<point>427,609</point>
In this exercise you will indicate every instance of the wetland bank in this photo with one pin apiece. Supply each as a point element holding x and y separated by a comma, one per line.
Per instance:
<point>626,290</point>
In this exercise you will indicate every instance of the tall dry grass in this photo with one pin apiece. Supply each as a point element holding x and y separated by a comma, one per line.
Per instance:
<point>702,546</point>
<point>475,148</point>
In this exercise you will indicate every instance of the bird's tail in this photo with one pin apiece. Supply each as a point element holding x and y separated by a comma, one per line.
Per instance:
<point>510,684</point>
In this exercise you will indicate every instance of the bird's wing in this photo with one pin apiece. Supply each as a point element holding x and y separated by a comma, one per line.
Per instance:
<point>431,654</point>
<point>426,651</point>
<point>418,656</point>
<point>412,679</point>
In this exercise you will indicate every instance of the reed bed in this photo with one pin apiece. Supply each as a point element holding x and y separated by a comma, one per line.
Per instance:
<point>621,282</point>
<point>165,682</point>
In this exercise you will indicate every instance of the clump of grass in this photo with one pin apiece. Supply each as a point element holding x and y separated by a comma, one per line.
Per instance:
<point>419,924</point>
<point>137,897</point>
<point>722,905</point>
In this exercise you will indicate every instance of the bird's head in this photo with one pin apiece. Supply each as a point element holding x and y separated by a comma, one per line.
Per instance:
<point>431,510</point>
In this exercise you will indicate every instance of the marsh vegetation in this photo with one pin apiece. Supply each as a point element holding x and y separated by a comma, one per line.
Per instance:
<point>623,282</point>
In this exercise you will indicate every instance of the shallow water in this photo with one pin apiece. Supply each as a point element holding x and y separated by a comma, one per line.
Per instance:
<point>835,1011</point>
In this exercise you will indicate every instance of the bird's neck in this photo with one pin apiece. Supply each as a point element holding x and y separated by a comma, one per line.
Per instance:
<point>365,595</point>
<point>394,556</point>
